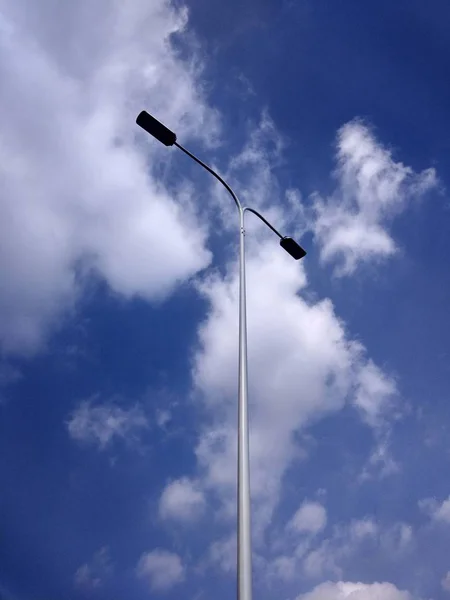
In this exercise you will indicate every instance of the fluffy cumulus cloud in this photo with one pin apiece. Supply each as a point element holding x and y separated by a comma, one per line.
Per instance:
<point>352,225</point>
<point>78,191</point>
<point>182,500</point>
<point>100,424</point>
<point>345,590</point>
<point>311,517</point>
<point>160,569</point>
<point>302,364</point>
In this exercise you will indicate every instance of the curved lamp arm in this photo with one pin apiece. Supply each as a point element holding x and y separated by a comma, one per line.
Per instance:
<point>269,225</point>
<point>213,173</point>
<point>167,137</point>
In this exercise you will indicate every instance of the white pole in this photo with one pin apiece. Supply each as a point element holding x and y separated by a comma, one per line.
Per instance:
<point>244,542</point>
<point>244,559</point>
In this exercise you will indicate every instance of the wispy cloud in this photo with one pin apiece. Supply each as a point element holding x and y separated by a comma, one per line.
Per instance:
<point>352,225</point>
<point>100,424</point>
<point>323,556</point>
<point>222,554</point>
<point>93,574</point>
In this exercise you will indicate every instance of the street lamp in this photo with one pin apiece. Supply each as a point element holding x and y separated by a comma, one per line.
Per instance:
<point>244,546</point>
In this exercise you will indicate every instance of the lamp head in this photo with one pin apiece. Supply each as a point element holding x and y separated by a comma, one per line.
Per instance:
<point>156,129</point>
<point>292,248</point>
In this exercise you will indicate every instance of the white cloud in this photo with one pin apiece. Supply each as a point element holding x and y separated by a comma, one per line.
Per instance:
<point>362,528</point>
<point>79,191</point>
<point>320,561</point>
<point>223,553</point>
<point>352,225</point>
<point>102,423</point>
<point>344,590</point>
<point>438,511</point>
<point>80,195</point>
<point>163,417</point>
<point>161,569</point>
<point>445,582</point>
<point>251,173</point>
<point>92,575</point>
<point>182,500</point>
<point>318,558</point>
<point>397,539</point>
<point>331,555</point>
<point>311,517</point>
<point>380,463</point>
<point>375,393</point>
<point>302,365</point>
<point>442,512</point>
<point>284,568</point>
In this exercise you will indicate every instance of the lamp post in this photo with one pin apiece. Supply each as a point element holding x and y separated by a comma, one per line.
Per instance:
<point>244,545</point>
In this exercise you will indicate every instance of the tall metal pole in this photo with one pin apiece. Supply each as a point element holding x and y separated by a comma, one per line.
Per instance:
<point>244,541</point>
<point>244,514</point>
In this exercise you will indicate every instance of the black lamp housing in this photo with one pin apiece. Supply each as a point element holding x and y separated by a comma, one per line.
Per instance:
<point>292,248</point>
<point>156,129</point>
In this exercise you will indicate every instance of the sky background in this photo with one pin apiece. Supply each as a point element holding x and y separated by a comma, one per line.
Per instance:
<point>118,298</point>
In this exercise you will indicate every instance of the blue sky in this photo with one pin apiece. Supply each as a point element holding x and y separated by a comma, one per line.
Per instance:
<point>118,298</point>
